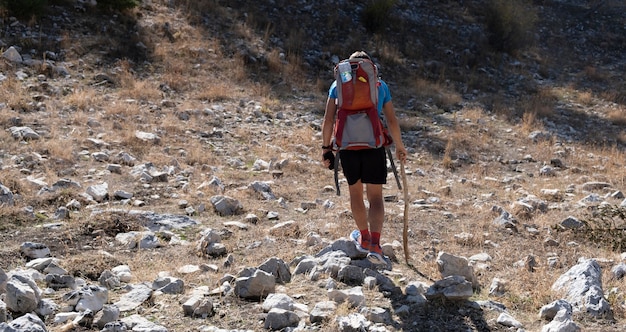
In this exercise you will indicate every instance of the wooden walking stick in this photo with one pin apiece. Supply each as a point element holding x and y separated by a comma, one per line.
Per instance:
<point>405,231</point>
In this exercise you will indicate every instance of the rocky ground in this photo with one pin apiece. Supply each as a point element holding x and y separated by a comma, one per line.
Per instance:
<point>172,153</point>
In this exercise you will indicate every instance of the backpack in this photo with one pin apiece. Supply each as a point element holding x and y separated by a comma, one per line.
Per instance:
<point>358,125</point>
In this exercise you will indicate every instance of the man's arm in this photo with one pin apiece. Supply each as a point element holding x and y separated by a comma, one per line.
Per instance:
<point>329,121</point>
<point>327,129</point>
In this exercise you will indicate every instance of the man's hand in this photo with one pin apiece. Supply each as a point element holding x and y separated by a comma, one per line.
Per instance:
<point>401,154</point>
<point>328,159</point>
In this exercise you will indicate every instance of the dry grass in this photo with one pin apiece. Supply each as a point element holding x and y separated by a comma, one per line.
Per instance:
<point>592,73</point>
<point>441,95</point>
<point>529,122</point>
<point>15,96</point>
<point>82,99</point>
<point>617,115</point>
<point>198,75</point>
<point>57,148</point>
<point>198,154</point>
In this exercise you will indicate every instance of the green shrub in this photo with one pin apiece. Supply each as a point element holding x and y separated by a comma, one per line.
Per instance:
<point>510,24</point>
<point>376,13</point>
<point>606,227</point>
<point>118,4</point>
<point>24,8</point>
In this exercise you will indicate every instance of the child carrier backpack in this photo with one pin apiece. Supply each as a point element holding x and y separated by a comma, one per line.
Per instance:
<point>358,124</point>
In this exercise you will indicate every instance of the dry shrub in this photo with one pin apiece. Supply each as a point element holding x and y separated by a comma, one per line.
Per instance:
<point>442,96</point>
<point>543,103</point>
<point>585,97</point>
<point>295,41</point>
<point>500,107</point>
<point>57,149</point>
<point>12,181</point>
<point>124,112</point>
<point>448,161</point>
<point>215,92</point>
<point>199,154</point>
<point>83,99</point>
<point>127,138</point>
<point>177,74</point>
<point>604,226</point>
<point>534,109</point>
<point>411,123</point>
<point>53,199</point>
<point>474,113</point>
<point>614,165</point>
<point>124,74</point>
<point>617,115</point>
<point>593,74</point>
<point>293,72</point>
<point>90,264</point>
<point>14,95</point>
<point>388,52</point>
<point>8,142</point>
<point>12,217</point>
<point>138,147</point>
<point>616,95</point>
<point>529,291</point>
<point>276,61</point>
<point>263,90</point>
<point>246,30</point>
<point>141,90</point>
<point>171,124</point>
<point>529,122</point>
<point>237,69</point>
<point>321,85</point>
<point>200,6</point>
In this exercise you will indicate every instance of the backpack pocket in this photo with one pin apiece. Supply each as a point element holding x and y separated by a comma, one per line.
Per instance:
<point>358,132</point>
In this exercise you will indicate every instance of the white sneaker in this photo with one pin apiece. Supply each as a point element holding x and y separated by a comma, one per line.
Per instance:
<point>376,256</point>
<point>355,236</point>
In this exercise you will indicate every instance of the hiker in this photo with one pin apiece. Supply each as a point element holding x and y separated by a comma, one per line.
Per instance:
<point>364,166</point>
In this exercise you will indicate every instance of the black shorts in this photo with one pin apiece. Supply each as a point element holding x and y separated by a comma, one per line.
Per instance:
<point>367,165</point>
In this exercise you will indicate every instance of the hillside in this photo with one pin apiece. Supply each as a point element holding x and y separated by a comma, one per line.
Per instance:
<point>180,140</point>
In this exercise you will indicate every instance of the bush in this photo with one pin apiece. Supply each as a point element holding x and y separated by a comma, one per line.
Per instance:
<point>510,24</point>
<point>606,227</point>
<point>376,13</point>
<point>24,8</point>
<point>118,4</point>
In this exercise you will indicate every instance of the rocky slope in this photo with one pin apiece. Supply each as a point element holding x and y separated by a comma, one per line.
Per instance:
<point>160,170</point>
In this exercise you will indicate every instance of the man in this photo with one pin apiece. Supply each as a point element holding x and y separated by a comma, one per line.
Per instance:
<point>369,167</point>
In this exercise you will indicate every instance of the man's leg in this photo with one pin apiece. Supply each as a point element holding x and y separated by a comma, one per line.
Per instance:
<point>376,214</point>
<point>375,217</point>
<point>359,212</point>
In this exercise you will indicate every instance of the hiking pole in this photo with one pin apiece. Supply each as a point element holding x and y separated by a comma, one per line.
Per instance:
<point>405,231</point>
<point>336,168</point>
<point>393,167</point>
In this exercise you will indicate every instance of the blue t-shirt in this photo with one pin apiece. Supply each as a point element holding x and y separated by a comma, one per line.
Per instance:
<point>384,95</point>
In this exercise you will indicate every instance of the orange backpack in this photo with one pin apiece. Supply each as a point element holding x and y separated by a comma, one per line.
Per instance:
<point>358,125</point>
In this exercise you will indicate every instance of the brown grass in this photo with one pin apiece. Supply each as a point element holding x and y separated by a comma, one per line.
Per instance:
<point>592,73</point>
<point>82,99</point>
<point>617,115</point>
<point>447,161</point>
<point>14,95</point>
<point>441,95</point>
<point>194,67</point>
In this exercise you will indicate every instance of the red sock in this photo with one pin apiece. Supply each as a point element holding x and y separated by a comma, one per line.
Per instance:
<point>375,238</point>
<point>365,235</point>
